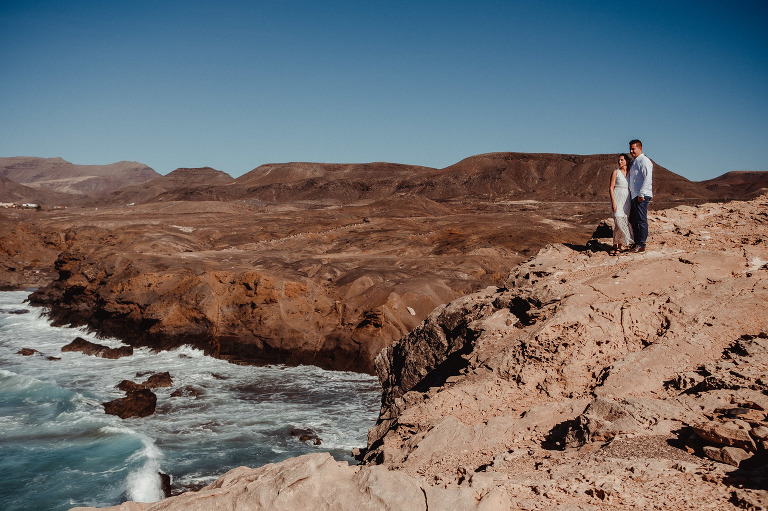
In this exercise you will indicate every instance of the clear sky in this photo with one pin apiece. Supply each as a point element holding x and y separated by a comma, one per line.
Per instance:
<point>236,84</point>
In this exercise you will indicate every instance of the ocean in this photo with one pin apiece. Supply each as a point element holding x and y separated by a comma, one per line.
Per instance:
<point>58,449</point>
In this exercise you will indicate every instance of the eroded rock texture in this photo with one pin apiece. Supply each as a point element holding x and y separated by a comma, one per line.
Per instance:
<point>327,286</point>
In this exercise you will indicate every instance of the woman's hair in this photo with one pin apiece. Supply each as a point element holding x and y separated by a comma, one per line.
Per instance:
<point>626,158</point>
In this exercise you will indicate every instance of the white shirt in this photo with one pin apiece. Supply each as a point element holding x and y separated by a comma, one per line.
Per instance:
<point>641,177</point>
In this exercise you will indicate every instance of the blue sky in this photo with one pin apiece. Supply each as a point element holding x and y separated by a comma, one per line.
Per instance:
<point>236,84</point>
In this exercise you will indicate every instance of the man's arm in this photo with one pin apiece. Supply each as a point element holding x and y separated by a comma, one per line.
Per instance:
<point>645,167</point>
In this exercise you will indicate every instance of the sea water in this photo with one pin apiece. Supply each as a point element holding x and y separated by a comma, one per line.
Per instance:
<point>58,449</point>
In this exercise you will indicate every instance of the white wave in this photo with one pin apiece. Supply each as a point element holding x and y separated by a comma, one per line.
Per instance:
<point>189,351</point>
<point>117,430</point>
<point>143,484</point>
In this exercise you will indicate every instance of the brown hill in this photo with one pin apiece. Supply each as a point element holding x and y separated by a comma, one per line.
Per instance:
<point>58,175</point>
<point>553,177</point>
<point>739,184</point>
<point>492,176</point>
<point>11,191</point>
<point>281,173</point>
<point>183,183</point>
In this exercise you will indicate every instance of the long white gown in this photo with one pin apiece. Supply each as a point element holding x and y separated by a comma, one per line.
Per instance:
<point>622,231</point>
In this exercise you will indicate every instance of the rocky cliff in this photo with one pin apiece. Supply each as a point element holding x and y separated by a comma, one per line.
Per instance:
<point>586,381</point>
<point>292,283</point>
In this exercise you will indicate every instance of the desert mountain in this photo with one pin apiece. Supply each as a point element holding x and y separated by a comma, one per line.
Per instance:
<point>487,177</point>
<point>58,175</point>
<point>182,182</point>
<point>555,176</point>
<point>738,184</point>
<point>13,192</point>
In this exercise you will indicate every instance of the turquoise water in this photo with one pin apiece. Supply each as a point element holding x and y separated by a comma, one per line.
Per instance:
<point>58,449</point>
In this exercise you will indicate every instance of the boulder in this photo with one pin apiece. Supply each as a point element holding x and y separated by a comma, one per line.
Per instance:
<point>154,381</point>
<point>726,433</point>
<point>158,380</point>
<point>306,435</point>
<point>137,403</point>
<point>730,455</point>
<point>187,391</point>
<point>84,347</point>
<point>97,350</point>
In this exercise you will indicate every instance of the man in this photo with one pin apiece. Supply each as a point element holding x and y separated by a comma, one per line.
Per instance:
<point>641,192</point>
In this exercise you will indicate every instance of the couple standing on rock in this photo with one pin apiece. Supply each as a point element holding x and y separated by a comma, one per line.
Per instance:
<point>631,192</point>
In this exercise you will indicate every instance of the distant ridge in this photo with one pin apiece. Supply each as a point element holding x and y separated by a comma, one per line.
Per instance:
<point>58,175</point>
<point>494,176</point>
<point>182,182</point>
<point>739,184</point>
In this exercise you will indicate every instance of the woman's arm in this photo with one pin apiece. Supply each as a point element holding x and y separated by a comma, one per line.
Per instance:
<point>610,190</point>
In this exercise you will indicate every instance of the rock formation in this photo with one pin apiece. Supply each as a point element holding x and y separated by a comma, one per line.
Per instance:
<point>327,286</point>
<point>97,350</point>
<point>139,400</point>
<point>586,381</point>
<point>136,403</point>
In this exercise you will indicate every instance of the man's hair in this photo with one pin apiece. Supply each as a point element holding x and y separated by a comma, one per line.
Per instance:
<point>635,141</point>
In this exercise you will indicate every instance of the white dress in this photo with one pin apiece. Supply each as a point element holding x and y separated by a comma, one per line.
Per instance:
<point>622,231</point>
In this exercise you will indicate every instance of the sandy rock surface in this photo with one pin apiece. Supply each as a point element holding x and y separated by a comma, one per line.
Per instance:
<point>586,382</point>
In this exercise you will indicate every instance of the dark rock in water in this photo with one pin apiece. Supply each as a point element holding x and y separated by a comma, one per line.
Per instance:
<point>85,347</point>
<point>115,353</point>
<point>14,311</point>
<point>97,350</point>
<point>27,352</point>
<point>187,391</point>
<point>129,386</point>
<point>306,435</point>
<point>165,484</point>
<point>153,382</point>
<point>138,403</point>
<point>52,358</point>
<point>158,380</point>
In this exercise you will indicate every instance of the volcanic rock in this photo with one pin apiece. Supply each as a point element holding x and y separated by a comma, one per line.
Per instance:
<point>154,381</point>
<point>137,403</point>
<point>158,380</point>
<point>14,311</point>
<point>306,435</point>
<point>97,350</point>
<point>27,352</point>
<point>165,484</point>
<point>187,391</point>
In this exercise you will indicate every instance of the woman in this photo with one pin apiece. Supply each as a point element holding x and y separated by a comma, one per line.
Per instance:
<point>619,189</point>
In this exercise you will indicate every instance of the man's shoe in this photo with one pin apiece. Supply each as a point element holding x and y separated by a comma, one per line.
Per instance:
<point>637,249</point>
